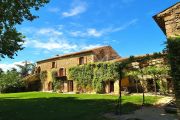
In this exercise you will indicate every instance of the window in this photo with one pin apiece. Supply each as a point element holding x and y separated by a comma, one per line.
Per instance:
<point>81,60</point>
<point>62,72</point>
<point>38,70</point>
<point>53,64</point>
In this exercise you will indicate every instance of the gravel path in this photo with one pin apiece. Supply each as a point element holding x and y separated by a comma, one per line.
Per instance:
<point>148,113</point>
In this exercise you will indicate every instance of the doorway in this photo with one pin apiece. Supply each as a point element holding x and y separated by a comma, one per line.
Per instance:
<point>111,89</point>
<point>49,86</point>
<point>70,85</point>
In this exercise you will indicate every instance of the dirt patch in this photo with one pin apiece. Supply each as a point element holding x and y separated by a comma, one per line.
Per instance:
<point>163,101</point>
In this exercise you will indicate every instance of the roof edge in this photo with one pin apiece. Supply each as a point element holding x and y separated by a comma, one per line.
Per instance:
<point>74,53</point>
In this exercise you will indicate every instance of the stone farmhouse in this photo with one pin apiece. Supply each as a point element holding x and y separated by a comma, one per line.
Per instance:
<point>169,22</point>
<point>64,62</point>
<point>61,64</point>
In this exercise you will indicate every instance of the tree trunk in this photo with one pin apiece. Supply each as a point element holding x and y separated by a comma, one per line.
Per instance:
<point>155,88</point>
<point>137,87</point>
<point>142,78</point>
<point>120,93</point>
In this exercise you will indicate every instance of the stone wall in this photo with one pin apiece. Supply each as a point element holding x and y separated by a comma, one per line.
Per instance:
<point>105,54</point>
<point>63,63</point>
<point>172,20</point>
<point>96,55</point>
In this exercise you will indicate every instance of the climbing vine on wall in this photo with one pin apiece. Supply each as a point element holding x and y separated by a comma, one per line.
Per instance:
<point>173,46</point>
<point>56,83</point>
<point>43,77</point>
<point>93,75</point>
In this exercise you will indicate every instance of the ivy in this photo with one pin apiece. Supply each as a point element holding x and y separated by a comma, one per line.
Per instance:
<point>56,84</point>
<point>93,75</point>
<point>173,47</point>
<point>43,77</point>
<point>83,76</point>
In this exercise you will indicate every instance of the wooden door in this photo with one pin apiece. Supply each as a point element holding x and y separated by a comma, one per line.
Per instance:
<point>70,86</point>
<point>111,86</point>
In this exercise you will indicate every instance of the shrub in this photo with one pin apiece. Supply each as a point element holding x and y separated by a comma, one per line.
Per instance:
<point>11,82</point>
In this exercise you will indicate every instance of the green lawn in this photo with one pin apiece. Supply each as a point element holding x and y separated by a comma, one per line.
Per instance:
<point>54,106</point>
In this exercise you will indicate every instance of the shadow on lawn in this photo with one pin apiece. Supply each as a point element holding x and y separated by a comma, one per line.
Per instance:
<point>58,108</point>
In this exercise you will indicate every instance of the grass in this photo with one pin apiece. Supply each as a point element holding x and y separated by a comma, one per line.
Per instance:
<point>54,106</point>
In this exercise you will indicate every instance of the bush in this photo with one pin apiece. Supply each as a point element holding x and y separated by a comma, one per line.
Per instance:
<point>11,82</point>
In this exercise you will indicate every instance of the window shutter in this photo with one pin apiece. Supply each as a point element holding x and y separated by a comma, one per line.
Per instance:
<point>78,61</point>
<point>86,60</point>
<point>64,71</point>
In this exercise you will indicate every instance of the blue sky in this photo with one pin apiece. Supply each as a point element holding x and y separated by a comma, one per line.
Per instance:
<point>66,26</point>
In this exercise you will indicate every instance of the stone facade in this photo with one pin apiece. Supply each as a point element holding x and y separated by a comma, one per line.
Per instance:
<point>169,20</point>
<point>61,64</point>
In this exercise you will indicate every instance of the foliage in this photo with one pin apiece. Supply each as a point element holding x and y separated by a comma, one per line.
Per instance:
<point>173,47</point>
<point>11,82</point>
<point>155,72</point>
<point>56,84</point>
<point>93,75</point>
<point>14,12</point>
<point>133,73</point>
<point>1,71</point>
<point>43,77</point>
<point>26,69</point>
<point>105,72</point>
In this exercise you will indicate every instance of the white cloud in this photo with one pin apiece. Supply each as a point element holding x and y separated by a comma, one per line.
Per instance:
<point>75,10</point>
<point>9,66</point>
<point>91,46</point>
<point>52,45</point>
<point>49,31</point>
<point>93,32</point>
<point>126,25</point>
<point>90,32</point>
<point>48,40</point>
<point>54,10</point>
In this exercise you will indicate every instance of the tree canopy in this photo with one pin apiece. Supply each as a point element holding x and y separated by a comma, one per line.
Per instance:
<point>26,69</point>
<point>13,12</point>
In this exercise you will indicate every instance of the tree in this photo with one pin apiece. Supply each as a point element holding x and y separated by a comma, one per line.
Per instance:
<point>14,69</point>
<point>1,71</point>
<point>157,73</point>
<point>135,75</point>
<point>11,82</point>
<point>25,69</point>
<point>153,71</point>
<point>14,12</point>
